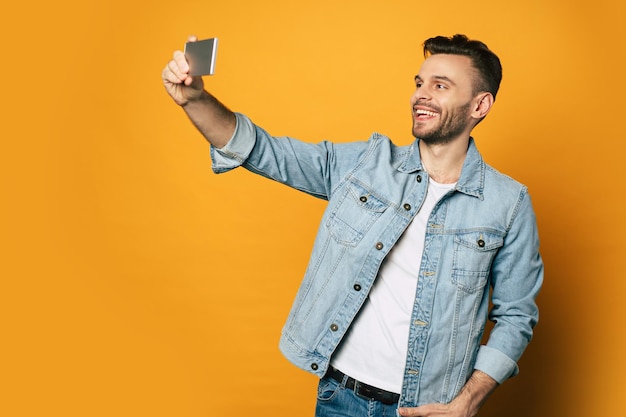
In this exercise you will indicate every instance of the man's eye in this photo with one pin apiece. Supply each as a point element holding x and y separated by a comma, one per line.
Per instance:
<point>441,87</point>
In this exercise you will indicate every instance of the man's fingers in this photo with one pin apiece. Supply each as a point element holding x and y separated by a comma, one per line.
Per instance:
<point>177,70</point>
<point>408,412</point>
<point>172,74</point>
<point>427,410</point>
<point>181,61</point>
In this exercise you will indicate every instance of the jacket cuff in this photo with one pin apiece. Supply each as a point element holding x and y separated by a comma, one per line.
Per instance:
<point>238,147</point>
<point>495,364</point>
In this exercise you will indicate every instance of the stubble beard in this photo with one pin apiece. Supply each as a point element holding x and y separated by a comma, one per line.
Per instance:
<point>448,129</point>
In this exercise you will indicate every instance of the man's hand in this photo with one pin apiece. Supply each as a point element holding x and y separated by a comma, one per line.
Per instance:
<point>474,393</point>
<point>214,120</point>
<point>177,81</point>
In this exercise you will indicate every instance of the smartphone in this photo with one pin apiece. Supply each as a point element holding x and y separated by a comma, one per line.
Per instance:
<point>201,56</point>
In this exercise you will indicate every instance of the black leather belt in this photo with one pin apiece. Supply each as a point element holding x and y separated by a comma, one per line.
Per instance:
<point>364,390</point>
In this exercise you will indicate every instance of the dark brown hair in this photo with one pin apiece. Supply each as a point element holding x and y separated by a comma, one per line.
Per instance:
<point>483,59</point>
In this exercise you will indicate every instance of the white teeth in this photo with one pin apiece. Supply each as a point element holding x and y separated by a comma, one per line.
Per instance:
<point>426,112</point>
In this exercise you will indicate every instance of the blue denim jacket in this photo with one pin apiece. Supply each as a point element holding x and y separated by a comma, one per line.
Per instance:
<point>481,234</point>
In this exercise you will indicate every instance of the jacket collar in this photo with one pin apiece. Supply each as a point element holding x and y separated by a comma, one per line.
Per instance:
<point>472,179</point>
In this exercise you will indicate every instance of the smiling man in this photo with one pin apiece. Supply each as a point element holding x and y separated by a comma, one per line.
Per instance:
<point>392,308</point>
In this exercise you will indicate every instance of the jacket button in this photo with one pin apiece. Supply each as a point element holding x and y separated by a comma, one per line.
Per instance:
<point>334,327</point>
<point>357,287</point>
<point>481,243</point>
<point>379,246</point>
<point>363,199</point>
<point>419,178</point>
<point>314,366</point>
<point>407,207</point>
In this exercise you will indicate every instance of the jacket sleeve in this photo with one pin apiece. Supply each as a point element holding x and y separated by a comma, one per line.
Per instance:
<point>312,168</point>
<point>237,149</point>
<point>516,278</point>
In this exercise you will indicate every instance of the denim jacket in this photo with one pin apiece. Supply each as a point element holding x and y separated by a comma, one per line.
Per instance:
<point>482,233</point>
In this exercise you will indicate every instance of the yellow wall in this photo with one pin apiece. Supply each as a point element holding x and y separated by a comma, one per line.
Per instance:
<point>136,283</point>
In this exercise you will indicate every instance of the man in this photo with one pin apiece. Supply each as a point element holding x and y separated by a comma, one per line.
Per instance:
<point>393,305</point>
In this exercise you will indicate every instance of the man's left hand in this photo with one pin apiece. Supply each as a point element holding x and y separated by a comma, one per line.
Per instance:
<point>466,404</point>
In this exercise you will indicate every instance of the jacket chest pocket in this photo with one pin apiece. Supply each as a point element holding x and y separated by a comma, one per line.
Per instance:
<point>354,214</point>
<point>473,256</point>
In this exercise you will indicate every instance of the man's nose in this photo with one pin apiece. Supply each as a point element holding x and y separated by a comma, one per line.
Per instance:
<point>420,94</point>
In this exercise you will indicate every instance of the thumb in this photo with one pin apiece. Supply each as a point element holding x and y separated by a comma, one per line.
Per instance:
<point>195,82</point>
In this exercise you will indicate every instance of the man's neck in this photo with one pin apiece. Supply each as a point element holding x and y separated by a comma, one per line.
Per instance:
<point>444,162</point>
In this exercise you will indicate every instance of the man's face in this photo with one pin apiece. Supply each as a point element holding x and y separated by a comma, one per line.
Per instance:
<point>441,104</point>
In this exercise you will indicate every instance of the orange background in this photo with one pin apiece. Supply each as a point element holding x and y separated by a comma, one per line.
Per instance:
<point>134,282</point>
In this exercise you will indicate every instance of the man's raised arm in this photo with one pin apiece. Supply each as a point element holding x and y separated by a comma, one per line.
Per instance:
<point>214,120</point>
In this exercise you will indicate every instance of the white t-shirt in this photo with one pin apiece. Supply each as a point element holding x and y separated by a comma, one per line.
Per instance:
<point>374,349</point>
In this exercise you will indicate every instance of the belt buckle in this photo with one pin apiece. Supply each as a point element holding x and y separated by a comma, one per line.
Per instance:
<point>357,390</point>
<point>365,391</point>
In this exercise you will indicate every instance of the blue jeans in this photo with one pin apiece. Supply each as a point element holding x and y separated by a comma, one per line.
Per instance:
<point>335,400</point>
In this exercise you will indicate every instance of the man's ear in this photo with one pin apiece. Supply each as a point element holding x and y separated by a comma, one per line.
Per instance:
<point>482,105</point>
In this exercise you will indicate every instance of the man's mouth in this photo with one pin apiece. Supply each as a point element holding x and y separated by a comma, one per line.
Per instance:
<point>424,114</point>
